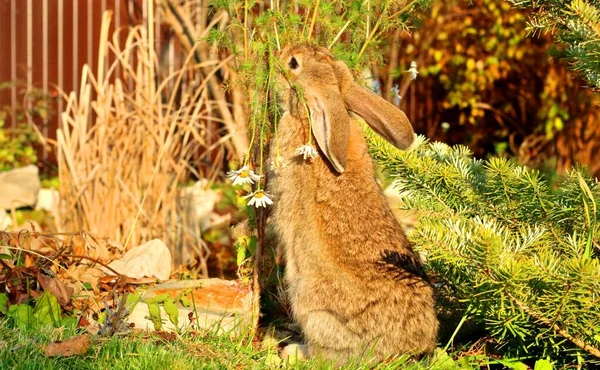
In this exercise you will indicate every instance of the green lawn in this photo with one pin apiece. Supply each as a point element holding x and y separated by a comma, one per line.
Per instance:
<point>24,349</point>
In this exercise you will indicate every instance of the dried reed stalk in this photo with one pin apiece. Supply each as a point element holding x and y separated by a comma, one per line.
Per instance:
<point>120,177</point>
<point>191,25</point>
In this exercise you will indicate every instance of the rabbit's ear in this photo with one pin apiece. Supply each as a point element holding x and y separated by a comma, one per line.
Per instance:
<point>382,116</point>
<point>330,124</point>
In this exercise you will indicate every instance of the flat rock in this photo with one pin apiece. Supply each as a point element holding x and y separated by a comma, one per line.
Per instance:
<point>19,187</point>
<point>222,306</point>
<point>147,260</point>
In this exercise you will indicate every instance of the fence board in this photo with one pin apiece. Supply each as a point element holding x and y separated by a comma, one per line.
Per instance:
<point>50,40</point>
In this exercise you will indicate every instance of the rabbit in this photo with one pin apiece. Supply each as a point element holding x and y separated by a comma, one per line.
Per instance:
<point>355,285</point>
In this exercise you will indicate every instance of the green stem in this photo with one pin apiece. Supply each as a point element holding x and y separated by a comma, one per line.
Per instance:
<point>460,324</point>
<point>374,31</point>
<point>309,120</point>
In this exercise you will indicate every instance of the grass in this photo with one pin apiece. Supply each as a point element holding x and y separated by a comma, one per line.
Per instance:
<point>24,350</point>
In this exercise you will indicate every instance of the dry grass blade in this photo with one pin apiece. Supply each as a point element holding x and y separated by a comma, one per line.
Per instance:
<point>120,177</point>
<point>190,23</point>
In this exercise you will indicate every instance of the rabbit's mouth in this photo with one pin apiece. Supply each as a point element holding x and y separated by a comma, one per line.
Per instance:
<point>285,96</point>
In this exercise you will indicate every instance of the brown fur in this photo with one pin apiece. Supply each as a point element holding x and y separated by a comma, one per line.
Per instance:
<point>354,282</point>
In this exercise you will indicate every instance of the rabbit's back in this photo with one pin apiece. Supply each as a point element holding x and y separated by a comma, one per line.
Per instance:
<point>353,280</point>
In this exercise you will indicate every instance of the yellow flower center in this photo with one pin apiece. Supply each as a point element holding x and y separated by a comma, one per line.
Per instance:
<point>243,174</point>
<point>259,194</point>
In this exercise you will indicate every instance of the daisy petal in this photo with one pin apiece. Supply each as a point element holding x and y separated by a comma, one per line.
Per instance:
<point>307,152</point>
<point>259,199</point>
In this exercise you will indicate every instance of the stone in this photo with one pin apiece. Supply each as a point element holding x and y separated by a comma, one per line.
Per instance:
<point>221,306</point>
<point>47,200</point>
<point>151,259</point>
<point>5,220</point>
<point>19,187</point>
<point>199,202</point>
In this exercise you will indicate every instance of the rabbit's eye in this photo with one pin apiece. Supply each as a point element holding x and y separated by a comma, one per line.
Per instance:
<point>293,63</point>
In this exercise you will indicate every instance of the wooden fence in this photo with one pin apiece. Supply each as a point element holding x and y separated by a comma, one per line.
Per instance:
<point>45,43</point>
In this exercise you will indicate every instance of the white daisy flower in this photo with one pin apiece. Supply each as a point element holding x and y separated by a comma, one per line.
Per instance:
<point>259,199</point>
<point>413,70</point>
<point>243,176</point>
<point>278,163</point>
<point>307,151</point>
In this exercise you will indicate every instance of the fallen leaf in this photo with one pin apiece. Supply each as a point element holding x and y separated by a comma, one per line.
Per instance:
<point>28,261</point>
<point>19,296</point>
<point>42,244</point>
<point>56,287</point>
<point>165,335</point>
<point>96,247</point>
<point>107,279</point>
<point>77,245</point>
<point>92,329</point>
<point>81,277</point>
<point>83,322</point>
<point>78,345</point>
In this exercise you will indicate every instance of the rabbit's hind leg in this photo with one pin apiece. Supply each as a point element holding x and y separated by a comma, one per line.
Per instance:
<point>328,337</point>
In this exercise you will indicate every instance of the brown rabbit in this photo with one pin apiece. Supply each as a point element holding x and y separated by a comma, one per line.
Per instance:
<point>355,285</point>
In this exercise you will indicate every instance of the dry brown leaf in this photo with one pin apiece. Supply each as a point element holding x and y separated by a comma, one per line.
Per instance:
<point>87,301</point>
<point>114,245</point>
<point>28,260</point>
<point>62,292</point>
<point>85,274</point>
<point>165,335</point>
<point>78,345</point>
<point>77,245</point>
<point>96,247</point>
<point>42,244</point>
<point>140,281</point>
<point>18,239</point>
<point>77,275</point>
<point>92,329</point>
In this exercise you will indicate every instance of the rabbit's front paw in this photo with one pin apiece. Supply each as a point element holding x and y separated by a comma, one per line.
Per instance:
<point>294,352</point>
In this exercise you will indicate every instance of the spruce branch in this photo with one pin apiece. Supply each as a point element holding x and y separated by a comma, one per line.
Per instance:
<point>500,240</point>
<point>562,332</point>
<point>575,25</point>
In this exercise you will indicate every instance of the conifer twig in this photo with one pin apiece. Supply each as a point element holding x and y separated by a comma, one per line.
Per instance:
<point>562,332</point>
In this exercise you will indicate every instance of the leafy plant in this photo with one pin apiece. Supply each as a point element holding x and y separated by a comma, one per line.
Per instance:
<point>46,312</point>
<point>258,30</point>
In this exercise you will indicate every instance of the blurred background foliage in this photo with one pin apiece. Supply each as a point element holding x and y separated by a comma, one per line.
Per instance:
<point>493,75</point>
<point>487,83</point>
<point>19,144</point>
